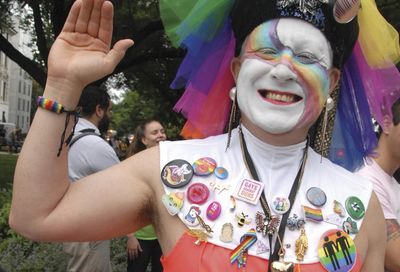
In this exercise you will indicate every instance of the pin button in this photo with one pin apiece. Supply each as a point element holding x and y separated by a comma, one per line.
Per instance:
<point>316,196</point>
<point>177,173</point>
<point>198,193</point>
<point>355,208</point>
<point>204,166</point>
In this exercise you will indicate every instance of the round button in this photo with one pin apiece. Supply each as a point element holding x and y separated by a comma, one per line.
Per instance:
<point>355,208</point>
<point>316,196</point>
<point>177,173</point>
<point>337,251</point>
<point>280,205</point>
<point>221,173</point>
<point>204,166</point>
<point>198,193</point>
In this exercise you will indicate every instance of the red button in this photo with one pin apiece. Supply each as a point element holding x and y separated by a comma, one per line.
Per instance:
<point>198,193</point>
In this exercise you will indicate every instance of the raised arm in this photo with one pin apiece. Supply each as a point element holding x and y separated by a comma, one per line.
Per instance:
<point>45,206</point>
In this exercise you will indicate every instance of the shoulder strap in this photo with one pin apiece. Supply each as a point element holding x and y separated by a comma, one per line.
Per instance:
<point>84,132</point>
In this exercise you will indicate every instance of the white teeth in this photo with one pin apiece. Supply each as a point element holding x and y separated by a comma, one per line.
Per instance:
<point>280,97</point>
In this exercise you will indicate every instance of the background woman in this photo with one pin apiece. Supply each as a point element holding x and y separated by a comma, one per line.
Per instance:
<point>142,246</point>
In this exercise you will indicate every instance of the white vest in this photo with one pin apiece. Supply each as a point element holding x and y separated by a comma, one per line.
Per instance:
<point>277,168</point>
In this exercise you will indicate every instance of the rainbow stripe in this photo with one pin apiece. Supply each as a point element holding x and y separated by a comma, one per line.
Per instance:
<point>50,105</point>
<point>313,214</point>
<point>337,252</point>
<point>246,241</point>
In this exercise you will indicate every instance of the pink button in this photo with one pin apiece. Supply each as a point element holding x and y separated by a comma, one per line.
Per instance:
<point>198,193</point>
<point>213,210</point>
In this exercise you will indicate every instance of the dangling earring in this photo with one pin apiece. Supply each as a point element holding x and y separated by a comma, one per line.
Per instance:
<point>328,107</point>
<point>232,116</point>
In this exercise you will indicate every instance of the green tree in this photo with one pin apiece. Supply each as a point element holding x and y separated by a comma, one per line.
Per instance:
<point>138,20</point>
<point>149,65</point>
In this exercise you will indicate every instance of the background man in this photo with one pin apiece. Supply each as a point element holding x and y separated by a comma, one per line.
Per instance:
<point>380,170</point>
<point>89,153</point>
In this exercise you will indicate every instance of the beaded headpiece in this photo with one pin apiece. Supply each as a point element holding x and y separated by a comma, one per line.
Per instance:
<point>365,48</point>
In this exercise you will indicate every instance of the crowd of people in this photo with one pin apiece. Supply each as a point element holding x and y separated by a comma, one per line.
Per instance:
<point>258,197</point>
<point>11,139</point>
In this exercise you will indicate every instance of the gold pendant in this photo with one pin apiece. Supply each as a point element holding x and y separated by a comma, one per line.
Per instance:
<point>301,245</point>
<point>281,265</point>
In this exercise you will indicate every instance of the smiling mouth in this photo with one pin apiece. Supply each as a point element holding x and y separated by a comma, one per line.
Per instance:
<point>279,98</point>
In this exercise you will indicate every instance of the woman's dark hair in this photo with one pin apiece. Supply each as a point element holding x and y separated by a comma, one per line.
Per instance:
<point>137,145</point>
<point>91,97</point>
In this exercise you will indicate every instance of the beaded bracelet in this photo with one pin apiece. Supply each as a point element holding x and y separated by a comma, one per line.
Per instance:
<point>50,105</point>
<point>58,108</point>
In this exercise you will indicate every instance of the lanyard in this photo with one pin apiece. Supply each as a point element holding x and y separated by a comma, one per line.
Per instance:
<point>264,204</point>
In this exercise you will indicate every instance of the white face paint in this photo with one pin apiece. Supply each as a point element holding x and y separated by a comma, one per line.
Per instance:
<point>283,80</point>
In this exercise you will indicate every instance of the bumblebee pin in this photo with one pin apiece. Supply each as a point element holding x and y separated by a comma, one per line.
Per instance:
<point>242,219</point>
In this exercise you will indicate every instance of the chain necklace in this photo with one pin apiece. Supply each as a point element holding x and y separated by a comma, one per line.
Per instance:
<point>279,251</point>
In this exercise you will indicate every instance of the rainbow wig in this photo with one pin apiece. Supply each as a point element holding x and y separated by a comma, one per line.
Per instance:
<point>366,50</point>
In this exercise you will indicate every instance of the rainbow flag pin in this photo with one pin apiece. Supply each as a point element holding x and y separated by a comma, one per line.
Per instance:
<point>313,214</point>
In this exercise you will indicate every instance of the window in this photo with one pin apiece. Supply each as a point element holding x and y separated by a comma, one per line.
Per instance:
<point>23,105</point>
<point>19,86</point>
<point>19,104</point>
<point>27,120</point>
<point>22,121</point>
<point>24,88</point>
<point>27,105</point>
<point>17,120</point>
<point>4,91</point>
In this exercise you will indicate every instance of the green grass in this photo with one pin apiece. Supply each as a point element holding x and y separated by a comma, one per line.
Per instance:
<point>7,167</point>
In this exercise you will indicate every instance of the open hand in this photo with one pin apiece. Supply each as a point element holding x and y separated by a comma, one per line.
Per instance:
<point>81,54</point>
<point>133,247</point>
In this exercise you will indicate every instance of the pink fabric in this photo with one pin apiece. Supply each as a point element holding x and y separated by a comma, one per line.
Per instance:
<point>386,188</point>
<point>382,85</point>
<point>207,257</point>
<point>207,110</point>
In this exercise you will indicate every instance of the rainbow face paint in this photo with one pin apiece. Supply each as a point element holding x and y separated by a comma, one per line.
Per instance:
<point>283,81</point>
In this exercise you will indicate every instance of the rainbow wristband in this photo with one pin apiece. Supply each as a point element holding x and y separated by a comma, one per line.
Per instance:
<point>58,108</point>
<point>50,105</point>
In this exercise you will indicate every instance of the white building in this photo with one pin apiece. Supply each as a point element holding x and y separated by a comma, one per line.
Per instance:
<point>15,84</point>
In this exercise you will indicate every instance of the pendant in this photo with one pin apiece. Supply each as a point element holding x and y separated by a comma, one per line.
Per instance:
<point>281,265</point>
<point>242,259</point>
<point>203,224</point>
<point>301,245</point>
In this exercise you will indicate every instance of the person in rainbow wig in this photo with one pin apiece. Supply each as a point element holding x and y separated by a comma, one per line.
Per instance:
<point>275,65</point>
